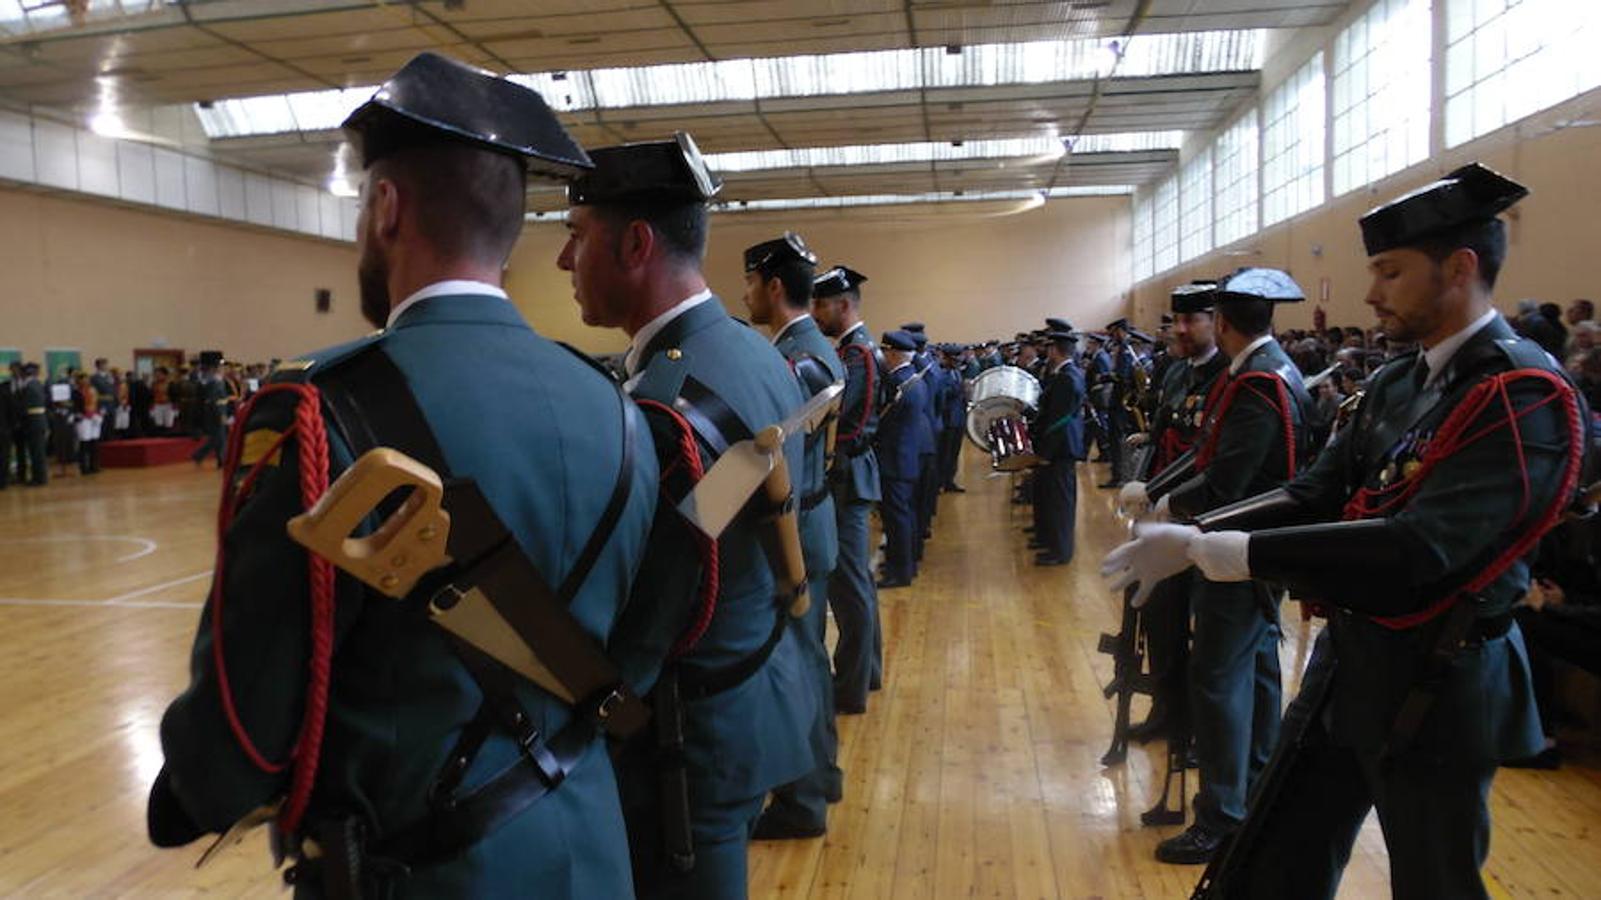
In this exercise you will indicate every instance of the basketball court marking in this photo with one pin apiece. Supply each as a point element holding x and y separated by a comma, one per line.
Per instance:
<point>123,600</point>
<point>146,546</point>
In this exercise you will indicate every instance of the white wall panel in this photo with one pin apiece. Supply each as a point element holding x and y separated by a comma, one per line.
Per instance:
<point>306,209</point>
<point>200,186</point>
<point>169,179</point>
<point>16,146</point>
<point>328,215</point>
<point>258,199</point>
<point>231,194</point>
<point>97,164</point>
<point>136,168</point>
<point>55,155</point>
<point>284,212</point>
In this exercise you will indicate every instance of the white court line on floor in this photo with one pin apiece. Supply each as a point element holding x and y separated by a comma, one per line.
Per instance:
<point>146,546</point>
<point>123,600</point>
<point>120,598</point>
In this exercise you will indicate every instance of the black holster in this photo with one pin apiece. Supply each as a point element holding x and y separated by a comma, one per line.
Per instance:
<point>672,772</point>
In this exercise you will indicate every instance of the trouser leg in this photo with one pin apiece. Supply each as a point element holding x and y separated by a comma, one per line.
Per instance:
<point>1230,630</point>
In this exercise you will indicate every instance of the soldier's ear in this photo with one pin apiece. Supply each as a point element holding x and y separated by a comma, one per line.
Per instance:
<point>383,208</point>
<point>635,242</point>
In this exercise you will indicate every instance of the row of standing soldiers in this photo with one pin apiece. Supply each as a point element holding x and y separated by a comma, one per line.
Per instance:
<point>689,702</point>
<point>1410,532</point>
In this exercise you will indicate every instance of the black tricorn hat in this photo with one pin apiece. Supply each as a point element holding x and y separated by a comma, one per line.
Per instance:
<point>900,340</point>
<point>1467,196</point>
<point>671,171</point>
<point>770,254</point>
<point>1272,285</point>
<point>211,358</point>
<point>1055,324</point>
<point>434,99</point>
<point>837,280</point>
<point>1195,297</point>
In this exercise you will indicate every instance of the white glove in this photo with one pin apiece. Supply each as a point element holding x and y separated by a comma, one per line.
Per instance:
<point>1158,551</point>
<point>1222,555</point>
<point>1137,439</point>
<point>1162,512</point>
<point>1132,501</point>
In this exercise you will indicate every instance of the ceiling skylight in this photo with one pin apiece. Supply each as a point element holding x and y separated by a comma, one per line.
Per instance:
<point>1045,147</point>
<point>38,16</point>
<point>982,65</point>
<point>1107,190</point>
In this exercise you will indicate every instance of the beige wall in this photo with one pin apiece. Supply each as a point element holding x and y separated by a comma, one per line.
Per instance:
<point>1554,255</point>
<point>966,270</point>
<point>106,279</point>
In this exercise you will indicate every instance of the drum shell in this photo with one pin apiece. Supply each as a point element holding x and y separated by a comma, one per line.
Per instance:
<point>1003,392</point>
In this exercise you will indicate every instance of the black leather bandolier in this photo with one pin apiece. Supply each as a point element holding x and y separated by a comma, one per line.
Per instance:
<point>814,378</point>
<point>369,402</point>
<point>716,427</point>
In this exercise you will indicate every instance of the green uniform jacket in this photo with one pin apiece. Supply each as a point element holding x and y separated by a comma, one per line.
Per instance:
<point>1251,450</point>
<point>865,390</point>
<point>747,740</point>
<point>1463,516</point>
<point>400,698</point>
<point>801,343</point>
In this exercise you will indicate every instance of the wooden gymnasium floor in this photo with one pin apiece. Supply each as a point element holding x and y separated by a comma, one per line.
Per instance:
<point>974,772</point>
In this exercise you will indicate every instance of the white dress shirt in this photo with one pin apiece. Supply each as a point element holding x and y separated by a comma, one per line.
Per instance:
<point>643,336</point>
<point>1238,363</point>
<point>1440,354</point>
<point>443,289</point>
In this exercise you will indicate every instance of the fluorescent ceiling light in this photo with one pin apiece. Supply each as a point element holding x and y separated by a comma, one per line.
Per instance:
<point>1041,149</point>
<point>938,197</point>
<point>734,80</point>
<point>1109,190</point>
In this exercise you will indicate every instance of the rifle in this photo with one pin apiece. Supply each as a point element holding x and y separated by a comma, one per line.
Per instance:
<point>1127,650</point>
<point>1217,882</point>
<point>1169,808</point>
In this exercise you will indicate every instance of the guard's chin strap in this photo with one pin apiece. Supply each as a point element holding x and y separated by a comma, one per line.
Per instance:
<point>312,440</point>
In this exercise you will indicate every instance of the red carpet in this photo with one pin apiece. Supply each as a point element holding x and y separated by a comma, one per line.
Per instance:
<point>141,452</point>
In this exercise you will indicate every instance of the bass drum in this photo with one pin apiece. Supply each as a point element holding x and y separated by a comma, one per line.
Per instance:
<point>1002,400</point>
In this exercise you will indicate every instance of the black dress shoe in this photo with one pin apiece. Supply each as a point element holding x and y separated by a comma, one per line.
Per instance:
<point>842,708</point>
<point>1109,485</point>
<point>1049,559</point>
<point>1548,759</point>
<point>1155,725</point>
<point>1195,845</point>
<point>955,489</point>
<point>1036,545</point>
<point>780,827</point>
<point>892,583</point>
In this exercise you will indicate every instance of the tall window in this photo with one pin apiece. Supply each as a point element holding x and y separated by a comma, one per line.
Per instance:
<point>1234,181</point>
<point>1506,59</point>
<point>1195,206</point>
<point>1143,261</point>
<point>1382,77</point>
<point>1165,224</point>
<point>1292,144</point>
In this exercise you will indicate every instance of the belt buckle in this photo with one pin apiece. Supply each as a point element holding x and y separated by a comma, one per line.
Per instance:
<point>608,704</point>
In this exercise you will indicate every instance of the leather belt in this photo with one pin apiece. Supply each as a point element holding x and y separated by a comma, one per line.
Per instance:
<point>36,410</point>
<point>697,684</point>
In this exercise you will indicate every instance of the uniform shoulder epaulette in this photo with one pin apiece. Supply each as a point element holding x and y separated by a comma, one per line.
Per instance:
<point>663,379</point>
<point>1522,353</point>
<point>588,360</point>
<point>303,369</point>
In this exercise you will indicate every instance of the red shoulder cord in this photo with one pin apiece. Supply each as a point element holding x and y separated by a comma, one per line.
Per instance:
<point>1450,439</point>
<point>867,398</point>
<point>312,440</point>
<point>1280,401</point>
<point>689,458</point>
